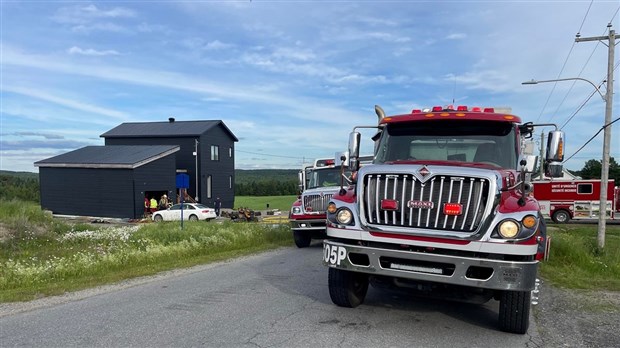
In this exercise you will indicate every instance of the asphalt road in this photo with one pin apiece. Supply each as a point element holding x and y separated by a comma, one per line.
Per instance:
<point>275,299</point>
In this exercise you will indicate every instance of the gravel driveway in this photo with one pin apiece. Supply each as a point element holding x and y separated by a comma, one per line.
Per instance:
<point>576,318</point>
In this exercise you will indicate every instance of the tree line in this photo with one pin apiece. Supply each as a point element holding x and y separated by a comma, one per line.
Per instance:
<point>25,188</point>
<point>592,170</point>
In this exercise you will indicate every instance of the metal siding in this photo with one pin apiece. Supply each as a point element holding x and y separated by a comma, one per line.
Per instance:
<point>87,191</point>
<point>184,157</point>
<point>219,170</point>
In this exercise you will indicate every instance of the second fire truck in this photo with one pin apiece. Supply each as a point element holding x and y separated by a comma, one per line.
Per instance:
<point>444,210</point>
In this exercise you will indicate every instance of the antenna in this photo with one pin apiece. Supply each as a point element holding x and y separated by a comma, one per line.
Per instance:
<point>454,90</point>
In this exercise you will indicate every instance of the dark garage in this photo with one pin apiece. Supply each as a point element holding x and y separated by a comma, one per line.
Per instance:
<point>107,181</point>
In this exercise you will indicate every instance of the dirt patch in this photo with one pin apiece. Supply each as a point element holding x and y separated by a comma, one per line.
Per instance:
<point>578,318</point>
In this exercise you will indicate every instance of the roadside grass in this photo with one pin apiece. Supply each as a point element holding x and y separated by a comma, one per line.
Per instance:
<point>283,203</point>
<point>41,256</point>
<point>576,263</point>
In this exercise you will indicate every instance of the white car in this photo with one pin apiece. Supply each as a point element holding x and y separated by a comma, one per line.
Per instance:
<point>191,212</point>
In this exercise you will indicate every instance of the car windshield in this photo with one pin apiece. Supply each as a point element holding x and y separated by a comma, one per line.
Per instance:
<point>325,177</point>
<point>486,142</point>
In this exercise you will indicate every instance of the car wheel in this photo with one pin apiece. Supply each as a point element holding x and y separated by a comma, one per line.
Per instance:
<point>561,217</point>
<point>193,218</point>
<point>158,218</point>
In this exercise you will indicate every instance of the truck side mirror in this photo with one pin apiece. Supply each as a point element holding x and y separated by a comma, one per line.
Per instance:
<point>553,169</point>
<point>555,146</point>
<point>354,149</point>
<point>300,179</point>
<point>531,162</point>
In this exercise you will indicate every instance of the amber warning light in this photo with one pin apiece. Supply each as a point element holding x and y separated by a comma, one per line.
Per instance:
<point>452,209</point>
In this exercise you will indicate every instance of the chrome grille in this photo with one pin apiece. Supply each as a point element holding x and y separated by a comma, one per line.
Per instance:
<point>472,193</point>
<point>317,203</point>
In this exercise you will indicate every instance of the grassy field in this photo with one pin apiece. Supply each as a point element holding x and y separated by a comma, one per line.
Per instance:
<point>260,203</point>
<point>41,256</point>
<point>575,262</point>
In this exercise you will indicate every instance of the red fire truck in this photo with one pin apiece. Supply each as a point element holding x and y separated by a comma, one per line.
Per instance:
<point>563,200</point>
<point>444,210</point>
<point>317,184</point>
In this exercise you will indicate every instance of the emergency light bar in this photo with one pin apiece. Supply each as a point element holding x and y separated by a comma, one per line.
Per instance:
<point>502,110</point>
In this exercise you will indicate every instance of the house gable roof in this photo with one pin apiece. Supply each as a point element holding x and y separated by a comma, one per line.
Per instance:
<point>165,129</point>
<point>110,156</point>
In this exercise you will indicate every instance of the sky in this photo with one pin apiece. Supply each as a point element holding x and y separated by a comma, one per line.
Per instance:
<point>292,78</point>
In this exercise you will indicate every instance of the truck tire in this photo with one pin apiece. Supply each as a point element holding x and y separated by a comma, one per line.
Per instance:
<point>302,239</point>
<point>561,216</point>
<point>347,289</point>
<point>514,311</point>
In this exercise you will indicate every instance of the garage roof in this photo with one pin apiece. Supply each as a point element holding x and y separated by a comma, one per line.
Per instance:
<point>110,156</point>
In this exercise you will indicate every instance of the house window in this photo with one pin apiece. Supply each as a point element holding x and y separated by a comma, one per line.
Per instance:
<point>215,153</point>
<point>584,188</point>
<point>209,195</point>
<point>230,182</point>
<point>230,152</point>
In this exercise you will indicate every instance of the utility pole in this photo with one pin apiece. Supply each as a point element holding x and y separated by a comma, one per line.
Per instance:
<point>541,170</point>
<point>606,131</point>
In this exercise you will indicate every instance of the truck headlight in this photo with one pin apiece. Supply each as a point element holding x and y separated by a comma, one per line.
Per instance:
<point>508,229</point>
<point>344,216</point>
<point>296,210</point>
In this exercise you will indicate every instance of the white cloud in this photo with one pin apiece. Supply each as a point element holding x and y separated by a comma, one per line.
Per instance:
<point>456,36</point>
<point>33,93</point>
<point>91,52</point>
<point>87,28</point>
<point>81,14</point>
<point>217,45</point>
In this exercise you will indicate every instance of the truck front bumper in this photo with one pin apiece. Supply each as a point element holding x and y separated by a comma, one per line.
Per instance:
<point>314,225</point>
<point>447,269</point>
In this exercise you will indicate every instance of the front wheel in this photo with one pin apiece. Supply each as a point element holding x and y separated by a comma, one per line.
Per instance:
<point>514,311</point>
<point>347,289</point>
<point>561,217</point>
<point>158,218</point>
<point>302,239</point>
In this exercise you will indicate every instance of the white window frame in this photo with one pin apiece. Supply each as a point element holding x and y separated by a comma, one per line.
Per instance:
<point>209,183</point>
<point>215,153</point>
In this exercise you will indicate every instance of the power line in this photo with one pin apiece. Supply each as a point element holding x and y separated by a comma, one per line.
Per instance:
<point>564,65</point>
<point>589,140</point>
<point>587,99</point>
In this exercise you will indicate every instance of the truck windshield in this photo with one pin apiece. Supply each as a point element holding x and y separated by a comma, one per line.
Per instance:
<point>325,177</point>
<point>488,142</point>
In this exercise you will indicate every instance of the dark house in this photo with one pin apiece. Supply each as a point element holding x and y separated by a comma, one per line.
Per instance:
<point>207,150</point>
<point>107,181</point>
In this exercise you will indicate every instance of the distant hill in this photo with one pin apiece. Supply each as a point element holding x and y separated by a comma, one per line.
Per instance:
<point>23,175</point>
<point>241,175</point>
<point>244,176</point>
